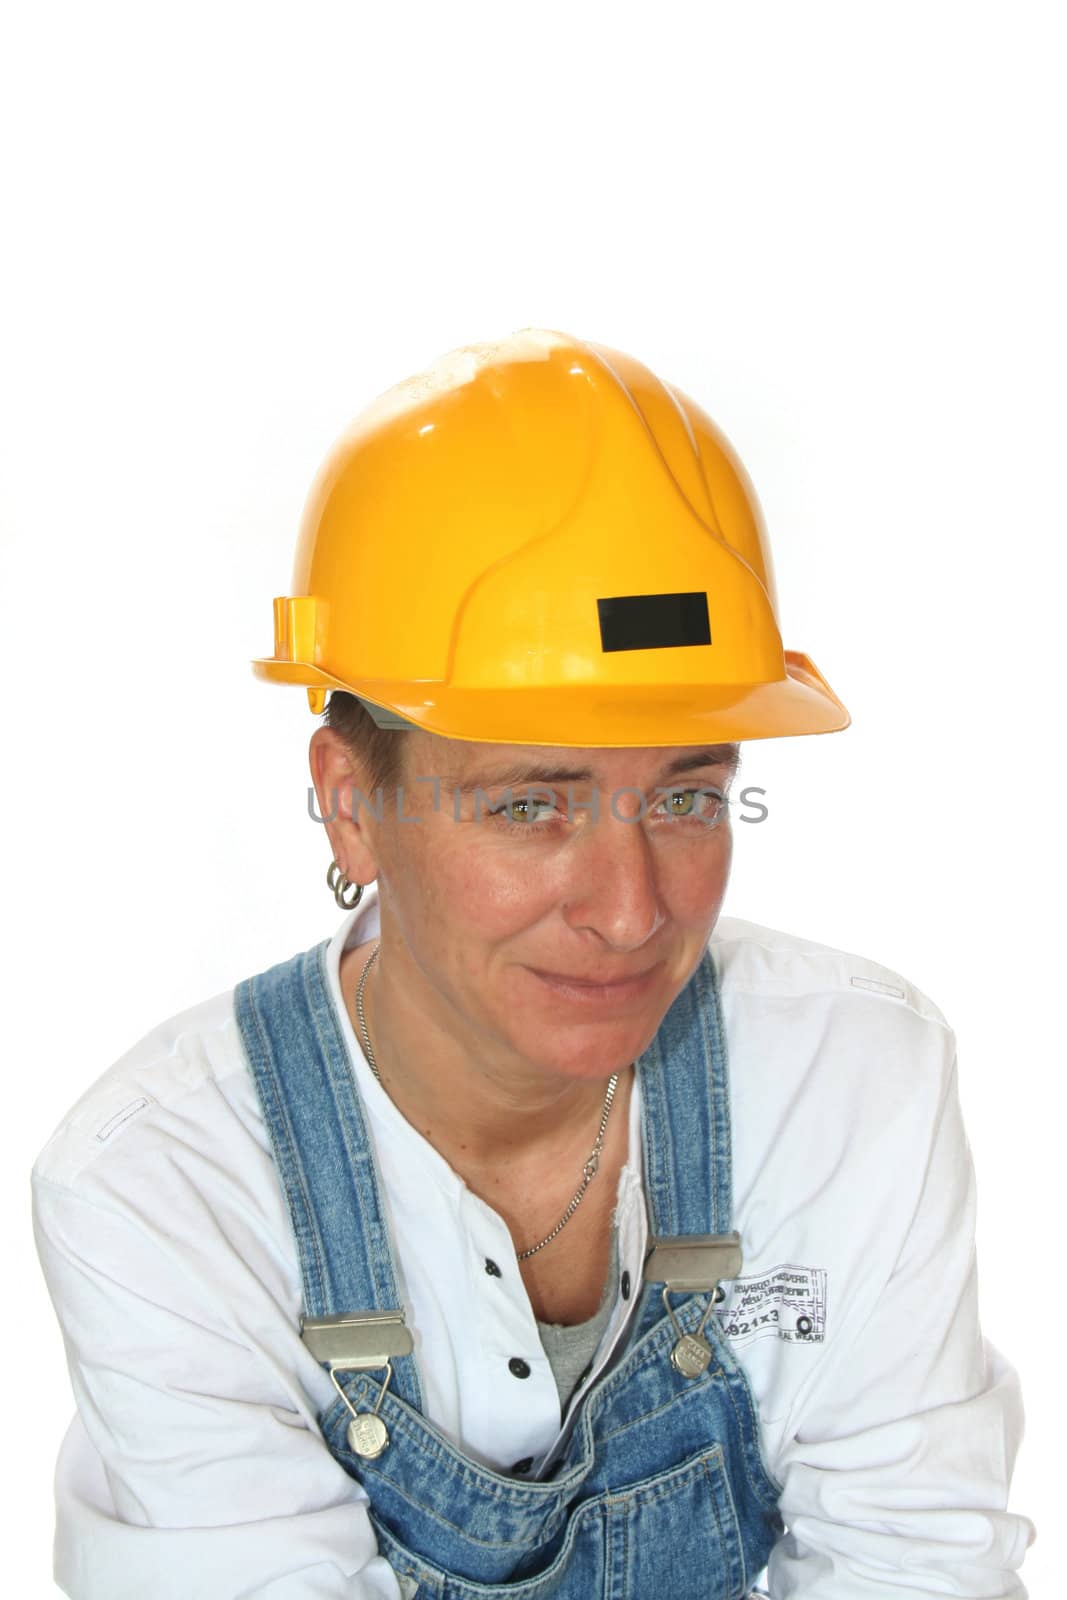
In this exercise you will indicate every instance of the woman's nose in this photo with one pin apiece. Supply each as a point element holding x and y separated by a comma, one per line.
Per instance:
<point>614,889</point>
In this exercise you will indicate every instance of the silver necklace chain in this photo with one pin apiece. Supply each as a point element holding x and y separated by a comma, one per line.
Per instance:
<point>589,1171</point>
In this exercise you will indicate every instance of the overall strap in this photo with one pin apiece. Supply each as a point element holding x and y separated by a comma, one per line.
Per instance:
<point>325,1160</point>
<point>686,1113</point>
<point>302,1072</point>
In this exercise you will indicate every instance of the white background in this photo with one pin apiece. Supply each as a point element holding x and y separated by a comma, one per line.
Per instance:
<point>838,226</point>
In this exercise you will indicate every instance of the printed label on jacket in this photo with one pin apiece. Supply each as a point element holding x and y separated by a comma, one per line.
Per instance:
<point>788,1302</point>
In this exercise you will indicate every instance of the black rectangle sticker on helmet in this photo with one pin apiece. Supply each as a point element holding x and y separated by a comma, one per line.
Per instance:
<point>653,621</point>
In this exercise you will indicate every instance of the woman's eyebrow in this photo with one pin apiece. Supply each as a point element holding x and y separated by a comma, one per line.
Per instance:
<point>715,755</point>
<point>720,755</point>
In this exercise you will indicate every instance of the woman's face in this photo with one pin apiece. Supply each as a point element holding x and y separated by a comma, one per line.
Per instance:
<point>507,870</point>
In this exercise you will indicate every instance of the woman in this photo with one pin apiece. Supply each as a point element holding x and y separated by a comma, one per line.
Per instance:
<point>540,1233</point>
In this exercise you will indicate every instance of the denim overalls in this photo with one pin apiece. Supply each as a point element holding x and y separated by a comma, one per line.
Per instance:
<point>659,1487</point>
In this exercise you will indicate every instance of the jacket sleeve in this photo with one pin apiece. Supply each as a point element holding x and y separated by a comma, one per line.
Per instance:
<point>899,1460</point>
<point>191,1467</point>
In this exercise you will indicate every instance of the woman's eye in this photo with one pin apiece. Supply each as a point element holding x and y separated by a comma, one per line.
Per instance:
<point>706,803</point>
<point>522,812</point>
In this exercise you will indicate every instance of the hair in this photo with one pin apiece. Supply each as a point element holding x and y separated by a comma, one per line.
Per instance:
<point>380,751</point>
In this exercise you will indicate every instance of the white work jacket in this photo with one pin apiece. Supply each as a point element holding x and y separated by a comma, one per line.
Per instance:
<point>194,1465</point>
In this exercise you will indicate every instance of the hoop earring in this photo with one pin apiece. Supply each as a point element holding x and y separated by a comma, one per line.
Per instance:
<point>340,884</point>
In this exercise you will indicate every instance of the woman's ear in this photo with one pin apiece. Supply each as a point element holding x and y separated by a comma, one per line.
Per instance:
<point>345,804</point>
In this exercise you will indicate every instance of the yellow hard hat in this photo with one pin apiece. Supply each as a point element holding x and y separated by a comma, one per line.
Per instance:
<point>537,541</point>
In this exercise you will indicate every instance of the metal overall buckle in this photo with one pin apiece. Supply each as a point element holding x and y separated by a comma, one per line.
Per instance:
<point>360,1341</point>
<point>688,1262</point>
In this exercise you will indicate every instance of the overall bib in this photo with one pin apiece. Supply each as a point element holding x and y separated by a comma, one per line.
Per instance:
<point>659,1487</point>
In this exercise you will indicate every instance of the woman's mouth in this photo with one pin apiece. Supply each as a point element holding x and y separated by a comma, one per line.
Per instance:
<point>589,992</point>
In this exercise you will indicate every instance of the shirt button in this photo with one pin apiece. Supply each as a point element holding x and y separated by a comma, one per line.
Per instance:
<point>524,1465</point>
<point>492,1268</point>
<point>518,1367</point>
<point>626,1286</point>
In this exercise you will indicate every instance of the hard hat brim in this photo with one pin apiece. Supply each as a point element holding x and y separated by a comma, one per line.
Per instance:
<point>593,716</point>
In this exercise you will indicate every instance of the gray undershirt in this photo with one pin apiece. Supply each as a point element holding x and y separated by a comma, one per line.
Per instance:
<point>570,1350</point>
